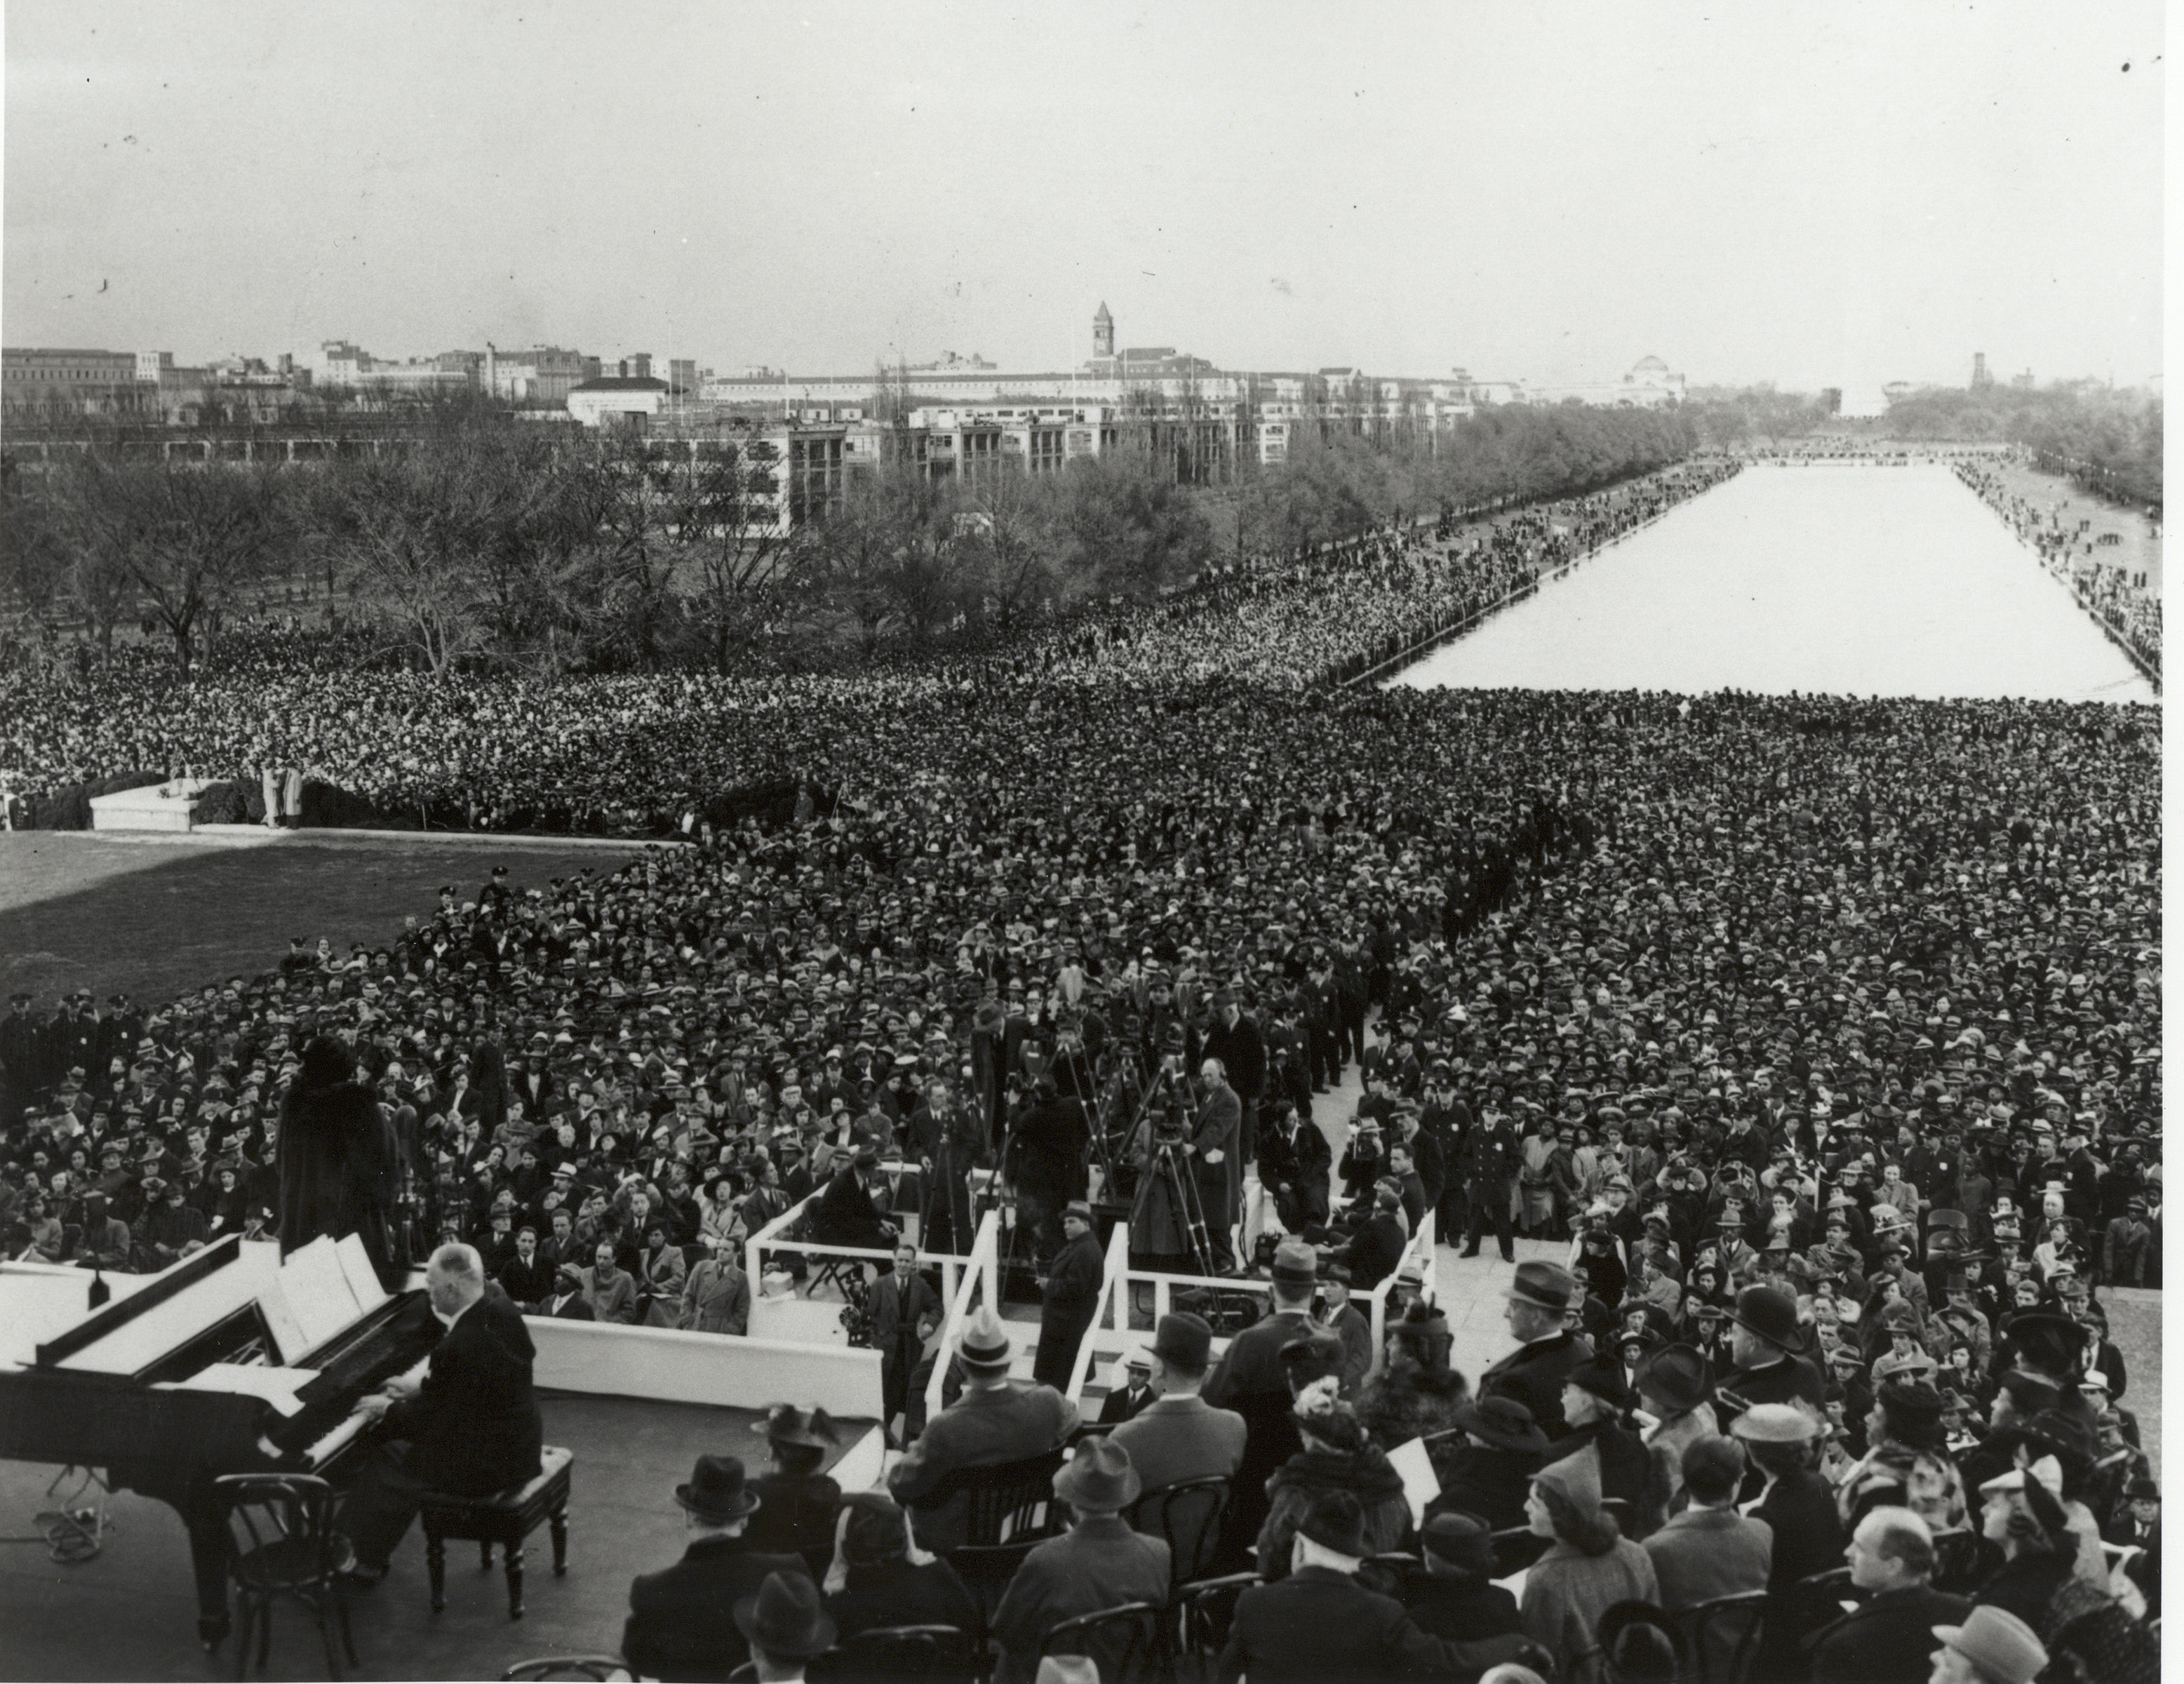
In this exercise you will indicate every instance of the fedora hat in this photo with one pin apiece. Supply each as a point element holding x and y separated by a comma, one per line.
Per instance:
<point>1603,1378</point>
<point>1774,1424</point>
<point>2002,1647</point>
<point>786,1424</point>
<point>1296,1263</point>
<point>1543,1285</point>
<point>1079,1209</point>
<point>1336,1521</point>
<point>1768,1313</point>
<point>1183,1339</point>
<point>717,1491</point>
<point>1677,1377</point>
<point>1098,1477</point>
<point>1502,1422</point>
<point>785,1618</point>
<point>985,1348</point>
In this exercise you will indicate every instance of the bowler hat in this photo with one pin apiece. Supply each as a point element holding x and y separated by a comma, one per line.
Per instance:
<point>1183,1339</point>
<point>786,1619</point>
<point>1768,1313</point>
<point>1674,1376</point>
<point>1502,1422</point>
<point>1543,1285</point>
<point>717,1491</point>
<point>1098,1477</point>
<point>2002,1647</point>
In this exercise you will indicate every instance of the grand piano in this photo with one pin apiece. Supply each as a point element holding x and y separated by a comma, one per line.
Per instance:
<point>234,1360</point>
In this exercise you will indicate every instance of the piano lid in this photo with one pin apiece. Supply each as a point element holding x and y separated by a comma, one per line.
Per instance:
<point>305,1299</point>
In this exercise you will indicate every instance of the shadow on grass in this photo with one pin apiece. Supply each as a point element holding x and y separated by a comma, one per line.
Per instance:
<point>156,930</point>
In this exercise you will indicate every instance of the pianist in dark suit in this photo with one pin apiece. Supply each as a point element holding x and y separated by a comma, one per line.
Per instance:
<point>470,1427</point>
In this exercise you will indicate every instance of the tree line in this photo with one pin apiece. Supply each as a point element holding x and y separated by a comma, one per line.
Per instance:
<point>481,541</point>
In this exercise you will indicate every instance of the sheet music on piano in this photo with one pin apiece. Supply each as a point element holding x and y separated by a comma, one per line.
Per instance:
<point>275,1386</point>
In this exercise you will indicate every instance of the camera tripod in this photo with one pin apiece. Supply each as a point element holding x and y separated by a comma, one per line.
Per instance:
<point>1164,1165</point>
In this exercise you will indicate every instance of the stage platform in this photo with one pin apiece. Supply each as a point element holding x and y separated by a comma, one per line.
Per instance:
<point>132,1612</point>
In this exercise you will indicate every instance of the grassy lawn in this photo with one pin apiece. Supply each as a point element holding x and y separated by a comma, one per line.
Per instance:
<point>152,920</point>
<point>2140,550</point>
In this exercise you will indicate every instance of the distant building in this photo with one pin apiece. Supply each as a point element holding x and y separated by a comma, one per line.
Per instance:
<point>60,385</point>
<point>618,400</point>
<point>541,377</point>
<point>1980,377</point>
<point>342,366</point>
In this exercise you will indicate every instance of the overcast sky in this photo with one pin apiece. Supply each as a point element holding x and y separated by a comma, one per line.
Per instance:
<point>1834,194</point>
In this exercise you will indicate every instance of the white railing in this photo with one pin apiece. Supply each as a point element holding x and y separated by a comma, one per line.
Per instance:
<point>1112,1300</point>
<point>773,1238</point>
<point>982,1266</point>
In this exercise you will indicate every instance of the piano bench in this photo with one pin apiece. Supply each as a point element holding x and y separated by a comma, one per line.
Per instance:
<point>505,1518</point>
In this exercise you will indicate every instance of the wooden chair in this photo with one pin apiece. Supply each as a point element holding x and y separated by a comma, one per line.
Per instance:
<point>1010,1506</point>
<point>1722,1636</point>
<point>1188,1516</point>
<point>283,1544</point>
<point>1207,1608</point>
<point>505,1518</point>
<point>1122,1641</point>
<point>577,1669</point>
<point>885,1654</point>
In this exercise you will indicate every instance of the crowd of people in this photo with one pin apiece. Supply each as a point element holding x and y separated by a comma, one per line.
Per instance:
<point>653,754</point>
<point>2131,611</point>
<point>1825,1033</point>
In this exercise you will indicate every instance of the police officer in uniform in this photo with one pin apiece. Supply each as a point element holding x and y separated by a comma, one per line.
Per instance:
<point>1490,1154</point>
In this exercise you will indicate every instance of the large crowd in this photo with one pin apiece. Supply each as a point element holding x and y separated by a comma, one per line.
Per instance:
<point>652,753</point>
<point>1824,1033</point>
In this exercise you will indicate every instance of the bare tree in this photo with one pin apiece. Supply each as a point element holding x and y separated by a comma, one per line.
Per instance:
<point>413,534</point>
<point>1015,541</point>
<point>183,539</point>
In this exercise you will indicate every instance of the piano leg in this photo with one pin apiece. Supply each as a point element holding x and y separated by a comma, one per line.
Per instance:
<point>192,1497</point>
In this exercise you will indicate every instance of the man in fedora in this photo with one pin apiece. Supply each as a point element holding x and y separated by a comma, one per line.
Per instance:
<point>785,1625</point>
<point>1767,1346</point>
<point>1319,1622</point>
<point>847,1214</point>
<point>1674,1383</point>
<point>1993,1646</point>
<point>1539,1302</point>
<point>1180,1436</point>
<point>1100,1563</point>
<point>995,1421</point>
<point>1252,1378</point>
<point>1134,1396</point>
<point>681,1620</point>
<point>1489,1472</point>
<point>1068,1295</point>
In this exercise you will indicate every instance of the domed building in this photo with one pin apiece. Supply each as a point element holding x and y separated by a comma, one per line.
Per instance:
<point>1652,372</point>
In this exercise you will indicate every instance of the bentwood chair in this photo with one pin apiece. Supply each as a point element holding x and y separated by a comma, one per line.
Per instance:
<point>283,1544</point>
